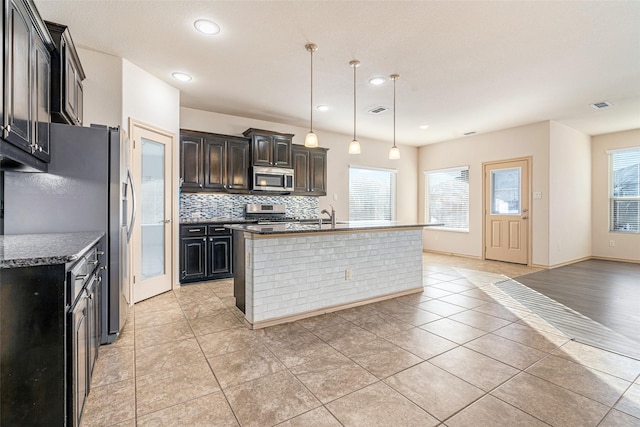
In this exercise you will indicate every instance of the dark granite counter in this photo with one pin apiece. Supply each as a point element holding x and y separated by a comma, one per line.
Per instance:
<point>341,226</point>
<point>24,250</point>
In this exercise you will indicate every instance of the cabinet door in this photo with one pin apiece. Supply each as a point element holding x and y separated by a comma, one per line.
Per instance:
<point>214,163</point>
<point>262,148</point>
<point>191,162</point>
<point>282,151</point>
<point>70,86</point>
<point>79,357</point>
<point>79,102</point>
<point>318,172</point>
<point>41,100</point>
<point>17,89</point>
<point>219,255</point>
<point>93,324</point>
<point>237,172</point>
<point>300,170</point>
<point>193,258</point>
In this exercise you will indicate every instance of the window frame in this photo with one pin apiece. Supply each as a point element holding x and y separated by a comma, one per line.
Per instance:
<point>612,198</point>
<point>394,192</point>
<point>427,196</point>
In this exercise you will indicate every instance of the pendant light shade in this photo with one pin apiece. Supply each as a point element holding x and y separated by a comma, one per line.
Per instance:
<point>354,146</point>
<point>311,140</point>
<point>394,152</point>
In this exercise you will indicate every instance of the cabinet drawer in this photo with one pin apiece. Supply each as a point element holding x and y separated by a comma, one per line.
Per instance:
<point>218,230</point>
<point>193,231</point>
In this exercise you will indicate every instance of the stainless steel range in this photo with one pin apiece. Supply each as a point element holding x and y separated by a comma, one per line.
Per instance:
<point>272,213</point>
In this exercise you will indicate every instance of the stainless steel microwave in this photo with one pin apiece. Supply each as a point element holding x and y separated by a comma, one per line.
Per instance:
<point>272,179</point>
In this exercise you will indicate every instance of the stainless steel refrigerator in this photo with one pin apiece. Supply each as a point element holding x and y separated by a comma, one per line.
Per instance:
<point>87,188</point>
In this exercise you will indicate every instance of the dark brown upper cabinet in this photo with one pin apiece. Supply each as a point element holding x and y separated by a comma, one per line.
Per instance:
<point>191,160</point>
<point>26,112</point>
<point>213,162</point>
<point>67,75</point>
<point>237,172</point>
<point>270,148</point>
<point>309,170</point>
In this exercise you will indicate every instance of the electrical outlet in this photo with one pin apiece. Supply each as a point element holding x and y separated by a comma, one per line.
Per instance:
<point>612,243</point>
<point>347,274</point>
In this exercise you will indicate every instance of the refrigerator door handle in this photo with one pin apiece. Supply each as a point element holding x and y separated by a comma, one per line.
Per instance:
<point>134,207</point>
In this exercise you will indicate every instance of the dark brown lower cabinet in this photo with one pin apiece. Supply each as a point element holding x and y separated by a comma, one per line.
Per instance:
<point>49,335</point>
<point>205,253</point>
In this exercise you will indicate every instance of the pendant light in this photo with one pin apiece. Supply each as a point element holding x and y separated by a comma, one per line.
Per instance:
<point>394,153</point>
<point>311,140</point>
<point>354,146</point>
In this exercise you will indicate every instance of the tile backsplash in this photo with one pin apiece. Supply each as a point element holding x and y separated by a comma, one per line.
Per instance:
<point>232,206</point>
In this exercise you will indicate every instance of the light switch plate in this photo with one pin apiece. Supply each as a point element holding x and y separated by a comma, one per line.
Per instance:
<point>537,195</point>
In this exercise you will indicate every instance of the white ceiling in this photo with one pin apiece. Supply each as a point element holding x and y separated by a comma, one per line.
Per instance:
<point>464,66</point>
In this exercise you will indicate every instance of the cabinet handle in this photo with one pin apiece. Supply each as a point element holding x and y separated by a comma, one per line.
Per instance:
<point>204,240</point>
<point>7,129</point>
<point>93,262</point>
<point>81,276</point>
<point>193,230</point>
<point>33,147</point>
<point>100,252</point>
<point>220,229</point>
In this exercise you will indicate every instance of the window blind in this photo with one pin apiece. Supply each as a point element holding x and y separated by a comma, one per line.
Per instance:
<point>372,194</point>
<point>447,197</point>
<point>624,190</point>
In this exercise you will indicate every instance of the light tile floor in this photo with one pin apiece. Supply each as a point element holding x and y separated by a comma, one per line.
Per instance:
<point>460,354</point>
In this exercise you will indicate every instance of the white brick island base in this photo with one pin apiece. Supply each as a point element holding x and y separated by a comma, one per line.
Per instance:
<point>293,276</point>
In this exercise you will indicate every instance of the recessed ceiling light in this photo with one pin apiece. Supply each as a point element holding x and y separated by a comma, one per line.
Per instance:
<point>207,27</point>
<point>377,81</point>
<point>424,126</point>
<point>322,107</point>
<point>183,77</point>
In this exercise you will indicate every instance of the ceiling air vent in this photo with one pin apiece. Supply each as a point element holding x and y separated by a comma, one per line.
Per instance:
<point>378,110</point>
<point>601,105</point>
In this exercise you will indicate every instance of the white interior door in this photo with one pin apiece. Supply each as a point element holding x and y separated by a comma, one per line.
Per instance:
<point>151,238</point>
<point>507,211</point>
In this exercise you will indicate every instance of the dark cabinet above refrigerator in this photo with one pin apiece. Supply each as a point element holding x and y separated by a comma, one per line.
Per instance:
<point>67,74</point>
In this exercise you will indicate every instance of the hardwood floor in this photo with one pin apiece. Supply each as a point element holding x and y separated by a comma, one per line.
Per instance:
<point>605,291</point>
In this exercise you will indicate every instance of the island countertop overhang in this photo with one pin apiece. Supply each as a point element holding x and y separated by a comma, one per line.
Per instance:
<point>343,226</point>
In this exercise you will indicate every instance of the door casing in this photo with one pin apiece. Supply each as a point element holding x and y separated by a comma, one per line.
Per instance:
<point>526,198</point>
<point>135,128</point>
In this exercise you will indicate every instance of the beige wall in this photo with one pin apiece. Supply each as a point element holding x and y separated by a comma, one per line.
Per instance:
<point>524,141</point>
<point>374,154</point>
<point>102,88</point>
<point>627,246</point>
<point>569,195</point>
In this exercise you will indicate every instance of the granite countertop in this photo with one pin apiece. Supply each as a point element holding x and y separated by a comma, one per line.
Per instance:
<point>341,226</point>
<point>25,250</point>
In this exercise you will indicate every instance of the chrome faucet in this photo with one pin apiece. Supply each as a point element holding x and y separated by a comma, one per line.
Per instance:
<point>332,216</point>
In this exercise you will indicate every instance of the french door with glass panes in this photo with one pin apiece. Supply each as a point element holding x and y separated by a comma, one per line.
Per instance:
<point>151,239</point>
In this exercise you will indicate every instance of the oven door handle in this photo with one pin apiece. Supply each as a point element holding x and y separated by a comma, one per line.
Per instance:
<point>134,207</point>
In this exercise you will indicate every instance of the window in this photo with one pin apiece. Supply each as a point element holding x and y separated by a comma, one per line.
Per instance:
<point>624,190</point>
<point>447,198</point>
<point>372,194</point>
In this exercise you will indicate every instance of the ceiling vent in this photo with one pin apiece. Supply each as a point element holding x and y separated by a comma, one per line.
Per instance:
<point>601,105</point>
<point>469,133</point>
<point>378,110</point>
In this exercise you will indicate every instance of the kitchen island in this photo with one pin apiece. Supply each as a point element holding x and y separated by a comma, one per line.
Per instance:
<point>289,271</point>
